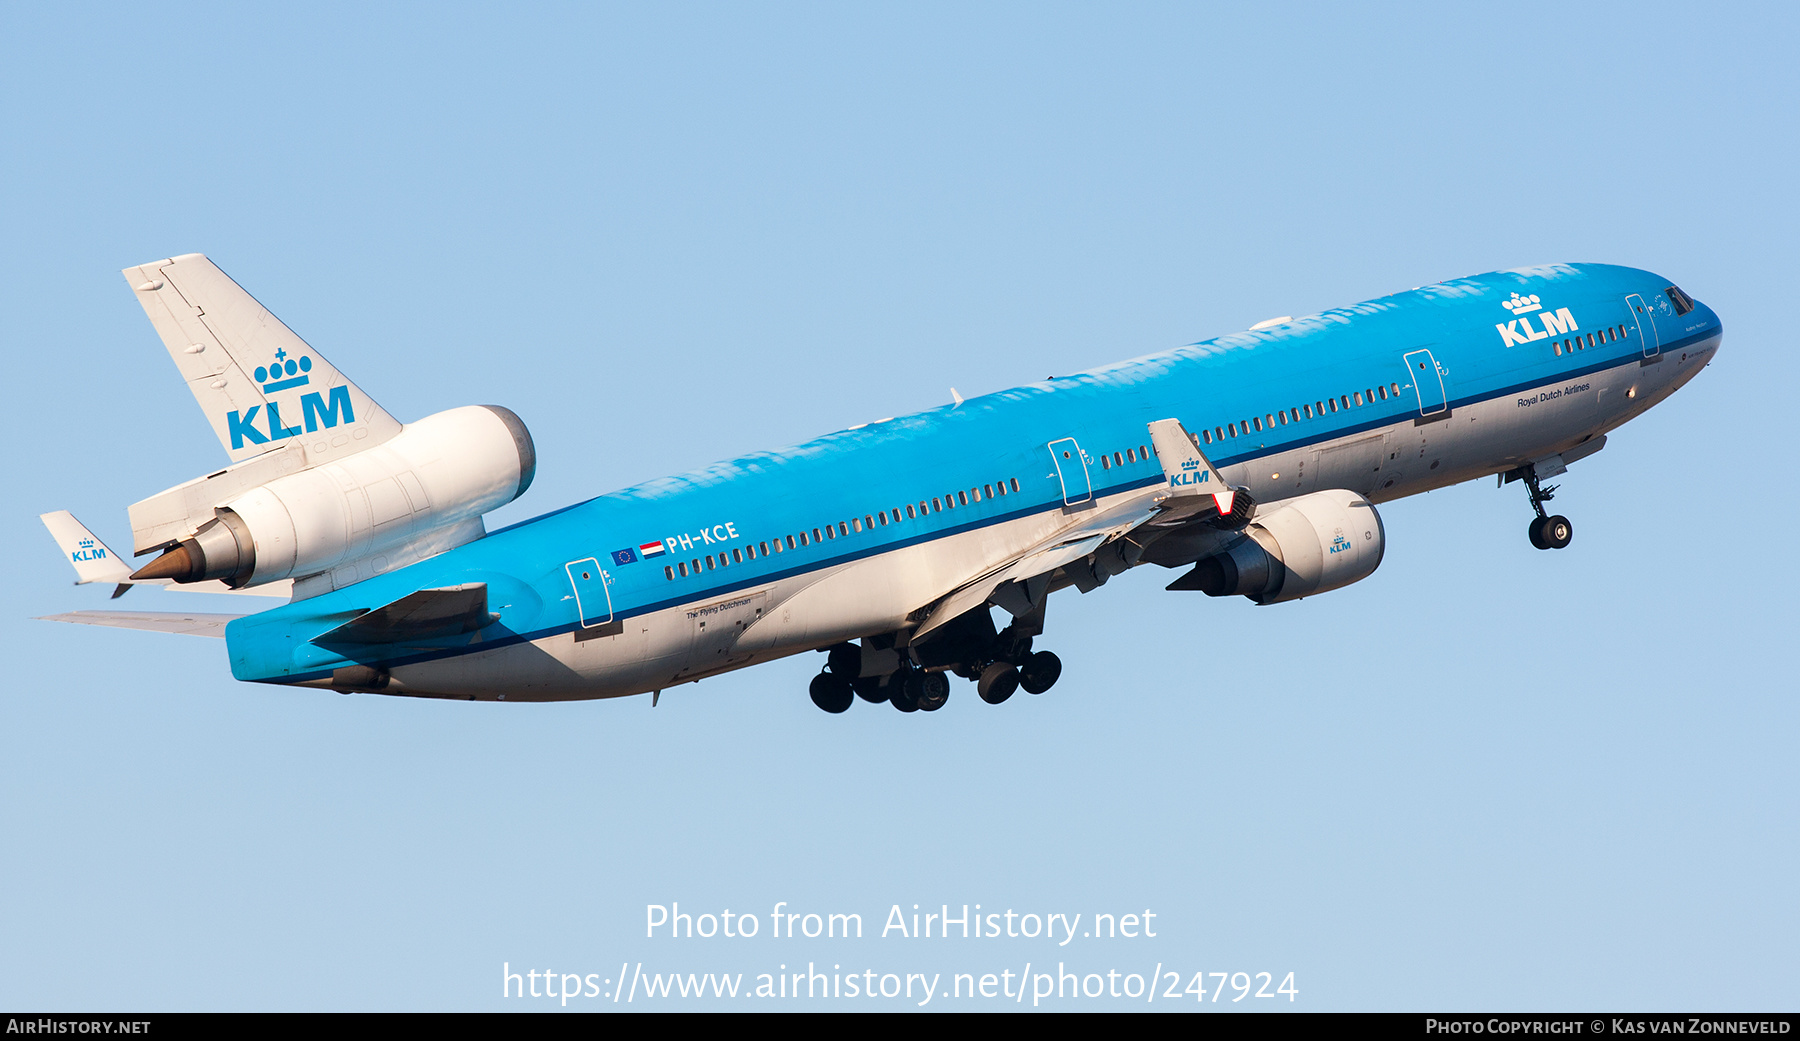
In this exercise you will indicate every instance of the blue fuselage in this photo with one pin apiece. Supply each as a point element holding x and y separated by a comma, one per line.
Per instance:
<point>1387,398</point>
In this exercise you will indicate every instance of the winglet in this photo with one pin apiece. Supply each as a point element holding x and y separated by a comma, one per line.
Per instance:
<point>1186,467</point>
<point>92,559</point>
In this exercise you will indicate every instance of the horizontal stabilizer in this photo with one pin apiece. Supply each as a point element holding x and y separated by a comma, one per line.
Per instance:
<point>93,560</point>
<point>257,382</point>
<point>151,621</point>
<point>1186,468</point>
<point>428,613</point>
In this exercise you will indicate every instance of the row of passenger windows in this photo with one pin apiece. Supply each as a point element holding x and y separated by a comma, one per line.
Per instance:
<point>1316,410</point>
<point>841,529</point>
<point>1130,455</point>
<point>1610,334</point>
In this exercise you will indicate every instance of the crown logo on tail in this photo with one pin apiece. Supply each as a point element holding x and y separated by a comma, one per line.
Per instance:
<point>285,374</point>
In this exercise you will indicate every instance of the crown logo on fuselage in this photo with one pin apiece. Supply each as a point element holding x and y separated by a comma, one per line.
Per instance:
<point>1521,304</point>
<point>285,374</point>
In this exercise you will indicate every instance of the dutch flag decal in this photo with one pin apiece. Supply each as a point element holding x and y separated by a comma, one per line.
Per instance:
<point>651,549</point>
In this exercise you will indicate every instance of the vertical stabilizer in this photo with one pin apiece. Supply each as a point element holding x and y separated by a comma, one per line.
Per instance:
<point>261,387</point>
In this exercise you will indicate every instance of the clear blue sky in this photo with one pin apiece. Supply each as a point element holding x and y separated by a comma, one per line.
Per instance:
<point>1487,777</point>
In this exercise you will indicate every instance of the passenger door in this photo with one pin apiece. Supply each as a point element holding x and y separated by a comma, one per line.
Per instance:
<point>1428,382</point>
<point>1646,325</point>
<point>1072,471</point>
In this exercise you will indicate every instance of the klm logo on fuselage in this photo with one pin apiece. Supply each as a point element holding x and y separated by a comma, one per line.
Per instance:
<point>1190,474</point>
<point>86,550</point>
<point>317,410</point>
<point>1521,330</point>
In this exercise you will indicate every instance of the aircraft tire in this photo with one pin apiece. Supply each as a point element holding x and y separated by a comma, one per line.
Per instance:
<point>903,692</point>
<point>1040,672</point>
<point>1558,532</point>
<point>1535,532</point>
<point>869,689</point>
<point>997,683</point>
<point>831,693</point>
<point>933,688</point>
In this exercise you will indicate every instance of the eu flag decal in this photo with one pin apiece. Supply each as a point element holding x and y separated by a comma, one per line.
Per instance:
<point>624,556</point>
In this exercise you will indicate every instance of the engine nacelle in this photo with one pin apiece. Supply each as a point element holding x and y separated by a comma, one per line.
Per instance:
<point>1310,544</point>
<point>436,473</point>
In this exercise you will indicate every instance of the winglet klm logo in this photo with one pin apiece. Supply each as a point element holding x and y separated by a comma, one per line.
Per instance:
<point>316,410</point>
<point>1191,474</point>
<point>87,550</point>
<point>1520,330</point>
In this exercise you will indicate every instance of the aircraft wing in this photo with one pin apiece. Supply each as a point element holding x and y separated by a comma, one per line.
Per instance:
<point>152,621</point>
<point>1097,546</point>
<point>421,615</point>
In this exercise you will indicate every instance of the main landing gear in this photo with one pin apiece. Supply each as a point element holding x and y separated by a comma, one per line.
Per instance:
<point>911,689</point>
<point>1545,532</point>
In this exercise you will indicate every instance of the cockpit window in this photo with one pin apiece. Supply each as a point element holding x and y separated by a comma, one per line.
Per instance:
<point>1683,302</point>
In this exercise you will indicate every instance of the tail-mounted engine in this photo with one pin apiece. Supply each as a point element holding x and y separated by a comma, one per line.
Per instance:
<point>1303,546</point>
<point>428,484</point>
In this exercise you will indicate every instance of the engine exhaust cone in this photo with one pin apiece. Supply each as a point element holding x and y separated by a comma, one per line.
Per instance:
<point>177,564</point>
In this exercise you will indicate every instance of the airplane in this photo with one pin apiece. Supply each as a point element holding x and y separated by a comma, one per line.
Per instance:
<point>1252,463</point>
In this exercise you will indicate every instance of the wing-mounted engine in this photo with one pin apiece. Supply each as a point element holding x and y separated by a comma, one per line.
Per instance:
<point>419,493</point>
<point>1310,544</point>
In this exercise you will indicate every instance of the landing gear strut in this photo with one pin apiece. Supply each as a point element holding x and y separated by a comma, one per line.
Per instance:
<point>1545,532</point>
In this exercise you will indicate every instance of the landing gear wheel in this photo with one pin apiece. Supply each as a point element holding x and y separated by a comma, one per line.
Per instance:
<point>869,689</point>
<point>831,693</point>
<point>1040,672</point>
<point>1556,532</point>
<point>903,694</point>
<point>933,689</point>
<point>1535,532</point>
<point>997,683</point>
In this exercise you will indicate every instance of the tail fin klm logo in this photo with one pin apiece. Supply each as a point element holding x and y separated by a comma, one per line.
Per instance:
<point>317,410</point>
<point>86,550</point>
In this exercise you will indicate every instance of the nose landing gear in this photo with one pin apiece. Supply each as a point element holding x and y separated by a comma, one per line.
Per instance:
<point>1546,531</point>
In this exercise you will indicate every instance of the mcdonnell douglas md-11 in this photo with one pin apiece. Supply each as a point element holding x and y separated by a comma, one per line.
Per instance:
<point>1252,464</point>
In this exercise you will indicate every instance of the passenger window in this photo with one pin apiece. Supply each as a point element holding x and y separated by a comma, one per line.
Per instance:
<point>962,499</point>
<point>1306,410</point>
<point>803,536</point>
<point>1219,431</point>
<point>1359,397</point>
<point>1231,428</point>
<point>668,572</point>
<point>1258,423</point>
<point>1333,404</point>
<point>1558,349</point>
<point>1106,462</point>
<point>790,543</point>
<point>737,557</point>
<point>935,507</point>
<point>856,525</point>
<point>909,511</point>
<point>843,529</point>
<point>683,566</point>
<point>989,489</point>
<point>1001,486</point>
<point>1206,435</point>
<point>1283,416</point>
<point>709,562</point>
<point>1145,452</point>
<point>830,532</point>
<point>765,546</point>
<point>1015,484</point>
